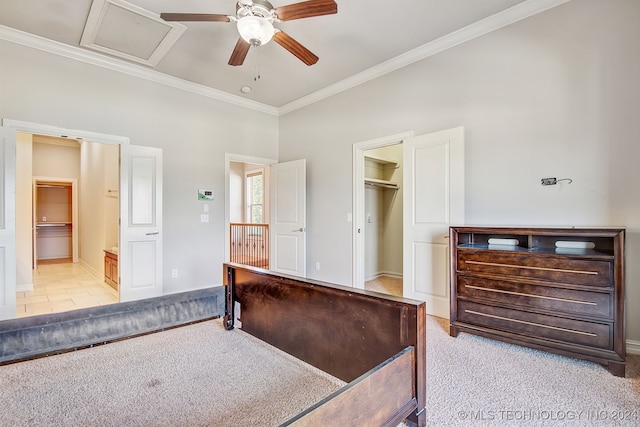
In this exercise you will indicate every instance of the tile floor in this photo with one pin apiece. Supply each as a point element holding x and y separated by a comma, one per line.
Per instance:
<point>59,287</point>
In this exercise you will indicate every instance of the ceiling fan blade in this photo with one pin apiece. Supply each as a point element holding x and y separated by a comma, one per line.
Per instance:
<point>205,17</point>
<point>306,9</point>
<point>301,52</point>
<point>239,52</point>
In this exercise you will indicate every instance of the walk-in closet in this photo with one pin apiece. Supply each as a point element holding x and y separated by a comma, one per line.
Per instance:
<point>53,220</point>
<point>383,213</point>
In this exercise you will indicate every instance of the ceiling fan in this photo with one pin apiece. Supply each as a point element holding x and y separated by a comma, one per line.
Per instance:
<point>255,18</point>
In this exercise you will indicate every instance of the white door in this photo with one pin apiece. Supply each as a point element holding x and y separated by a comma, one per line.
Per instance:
<point>433,200</point>
<point>7,223</point>
<point>288,218</point>
<point>140,250</point>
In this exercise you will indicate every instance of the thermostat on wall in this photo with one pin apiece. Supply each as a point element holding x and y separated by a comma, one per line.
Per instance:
<point>205,194</point>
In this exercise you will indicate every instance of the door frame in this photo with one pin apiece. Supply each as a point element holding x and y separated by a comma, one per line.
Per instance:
<point>73,183</point>
<point>239,158</point>
<point>56,131</point>
<point>357,217</point>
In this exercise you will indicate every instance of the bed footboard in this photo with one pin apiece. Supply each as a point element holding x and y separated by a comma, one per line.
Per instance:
<point>384,396</point>
<point>343,331</point>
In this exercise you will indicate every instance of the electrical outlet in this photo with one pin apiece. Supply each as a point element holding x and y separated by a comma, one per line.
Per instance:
<point>317,266</point>
<point>174,273</point>
<point>549,181</point>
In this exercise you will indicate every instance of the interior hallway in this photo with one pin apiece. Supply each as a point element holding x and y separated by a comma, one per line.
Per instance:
<point>63,286</point>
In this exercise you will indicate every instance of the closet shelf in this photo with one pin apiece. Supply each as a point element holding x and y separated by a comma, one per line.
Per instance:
<point>53,224</point>
<point>381,183</point>
<point>381,161</point>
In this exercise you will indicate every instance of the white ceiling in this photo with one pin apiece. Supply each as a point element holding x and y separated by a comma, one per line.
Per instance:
<point>365,38</point>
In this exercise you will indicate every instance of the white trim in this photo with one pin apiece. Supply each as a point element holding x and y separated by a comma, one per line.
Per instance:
<point>633,347</point>
<point>25,287</point>
<point>41,129</point>
<point>135,70</point>
<point>98,12</point>
<point>357,216</point>
<point>92,271</point>
<point>491,23</point>
<point>384,274</point>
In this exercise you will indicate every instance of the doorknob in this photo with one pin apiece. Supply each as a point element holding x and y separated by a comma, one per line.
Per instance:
<point>153,233</point>
<point>299,230</point>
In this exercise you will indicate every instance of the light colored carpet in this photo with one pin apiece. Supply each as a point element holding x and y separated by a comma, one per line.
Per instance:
<point>386,285</point>
<point>196,375</point>
<point>473,381</point>
<point>188,377</point>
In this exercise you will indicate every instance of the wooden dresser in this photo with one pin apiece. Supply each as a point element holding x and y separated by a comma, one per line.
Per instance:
<point>558,290</point>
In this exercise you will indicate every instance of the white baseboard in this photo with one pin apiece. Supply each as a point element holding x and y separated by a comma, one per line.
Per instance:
<point>26,287</point>
<point>633,347</point>
<point>99,275</point>
<point>383,274</point>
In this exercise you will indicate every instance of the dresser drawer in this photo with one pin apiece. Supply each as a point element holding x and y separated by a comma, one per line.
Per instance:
<point>535,325</point>
<point>529,296</point>
<point>549,268</point>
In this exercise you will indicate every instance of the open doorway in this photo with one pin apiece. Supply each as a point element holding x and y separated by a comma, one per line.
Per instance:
<point>284,210</point>
<point>378,214</point>
<point>67,217</point>
<point>383,219</point>
<point>249,214</point>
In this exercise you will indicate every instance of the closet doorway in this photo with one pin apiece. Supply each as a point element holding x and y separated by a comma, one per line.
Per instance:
<point>433,199</point>
<point>383,219</point>
<point>54,220</point>
<point>378,214</point>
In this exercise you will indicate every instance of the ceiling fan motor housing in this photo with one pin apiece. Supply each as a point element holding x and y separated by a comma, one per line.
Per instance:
<point>255,21</point>
<point>259,8</point>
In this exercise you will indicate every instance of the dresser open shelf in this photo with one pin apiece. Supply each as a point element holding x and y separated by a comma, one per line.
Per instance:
<point>554,289</point>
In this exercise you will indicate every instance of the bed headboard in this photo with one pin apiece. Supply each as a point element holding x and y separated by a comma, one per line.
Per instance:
<point>341,330</point>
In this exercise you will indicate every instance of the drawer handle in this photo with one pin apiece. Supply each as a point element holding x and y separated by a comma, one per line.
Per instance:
<point>500,291</point>
<point>531,323</point>
<point>525,267</point>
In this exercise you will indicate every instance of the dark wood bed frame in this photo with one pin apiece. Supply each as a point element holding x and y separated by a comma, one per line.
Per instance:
<point>374,342</point>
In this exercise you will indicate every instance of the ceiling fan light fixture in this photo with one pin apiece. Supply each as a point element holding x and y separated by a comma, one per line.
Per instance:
<point>255,30</point>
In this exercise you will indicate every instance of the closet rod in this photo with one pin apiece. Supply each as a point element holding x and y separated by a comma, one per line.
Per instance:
<point>386,185</point>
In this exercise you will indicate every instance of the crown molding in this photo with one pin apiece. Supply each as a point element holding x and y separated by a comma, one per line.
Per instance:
<point>494,22</point>
<point>82,55</point>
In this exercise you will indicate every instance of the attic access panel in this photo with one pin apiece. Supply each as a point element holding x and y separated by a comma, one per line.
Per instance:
<point>130,32</point>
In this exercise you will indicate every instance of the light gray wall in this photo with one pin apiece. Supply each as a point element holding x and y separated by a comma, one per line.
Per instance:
<point>193,131</point>
<point>556,95</point>
<point>98,213</point>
